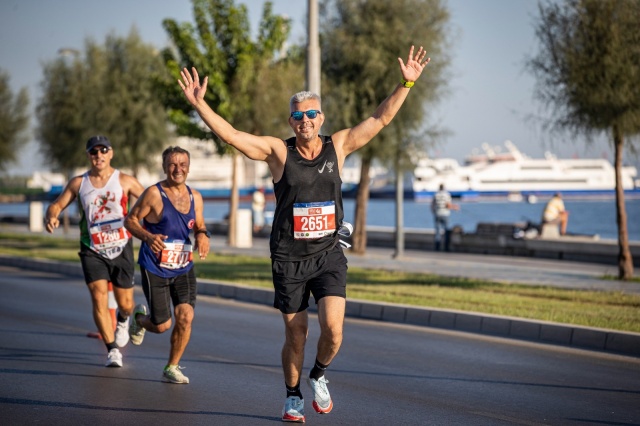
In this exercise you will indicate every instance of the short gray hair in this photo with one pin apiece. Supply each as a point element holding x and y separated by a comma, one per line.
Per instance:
<point>173,150</point>
<point>305,95</point>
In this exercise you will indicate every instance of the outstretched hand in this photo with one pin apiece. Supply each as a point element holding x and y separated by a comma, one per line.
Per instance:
<point>191,85</point>
<point>415,64</point>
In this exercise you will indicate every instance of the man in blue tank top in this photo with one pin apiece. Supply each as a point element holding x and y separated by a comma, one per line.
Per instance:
<point>305,251</point>
<point>170,211</point>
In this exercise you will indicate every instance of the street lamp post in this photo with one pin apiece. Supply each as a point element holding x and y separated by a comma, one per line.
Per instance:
<point>313,49</point>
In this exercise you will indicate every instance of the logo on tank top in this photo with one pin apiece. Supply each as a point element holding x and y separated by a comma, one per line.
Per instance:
<point>190,224</point>
<point>329,165</point>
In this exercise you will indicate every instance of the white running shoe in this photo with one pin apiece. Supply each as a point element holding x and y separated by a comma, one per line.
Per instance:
<point>122,333</point>
<point>114,358</point>
<point>136,331</point>
<point>321,399</point>
<point>293,410</point>
<point>172,374</point>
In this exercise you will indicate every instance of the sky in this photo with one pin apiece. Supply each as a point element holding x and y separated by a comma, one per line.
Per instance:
<point>490,93</point>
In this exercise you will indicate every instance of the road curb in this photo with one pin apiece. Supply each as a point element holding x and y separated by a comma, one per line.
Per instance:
<point>612,341</point>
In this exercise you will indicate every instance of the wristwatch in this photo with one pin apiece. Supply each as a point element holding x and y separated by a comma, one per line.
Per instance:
<point>205,232</point>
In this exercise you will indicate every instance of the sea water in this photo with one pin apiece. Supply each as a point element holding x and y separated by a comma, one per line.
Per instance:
<point>585,217</point>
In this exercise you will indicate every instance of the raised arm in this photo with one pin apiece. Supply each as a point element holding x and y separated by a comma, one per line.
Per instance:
<point>349,140</point>
<point>254,147</point>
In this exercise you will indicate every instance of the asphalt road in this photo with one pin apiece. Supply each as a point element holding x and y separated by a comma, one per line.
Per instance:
<point>385,374</point>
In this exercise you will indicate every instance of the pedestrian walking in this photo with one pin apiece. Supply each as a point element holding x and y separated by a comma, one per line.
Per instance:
<point>441,207</point>
<point>305,251</point>
<point>258,203</point>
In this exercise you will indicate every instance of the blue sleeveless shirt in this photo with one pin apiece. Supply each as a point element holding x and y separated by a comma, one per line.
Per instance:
<point>177,258</point>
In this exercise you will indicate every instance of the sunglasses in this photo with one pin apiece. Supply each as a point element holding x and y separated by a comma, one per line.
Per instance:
<point>102,150</point>
<point>312,113</point>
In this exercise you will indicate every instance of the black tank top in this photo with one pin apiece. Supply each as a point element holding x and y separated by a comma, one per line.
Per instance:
<point>308,204</point>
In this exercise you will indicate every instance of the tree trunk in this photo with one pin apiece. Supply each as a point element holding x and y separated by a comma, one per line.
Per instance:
<point>362,199</point>
<point>625,261</point>
<point>234,200</point>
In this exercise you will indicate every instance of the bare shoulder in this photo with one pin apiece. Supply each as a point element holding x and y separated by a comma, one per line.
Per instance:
<point>131,185</point>
<point>339,139</point>
<point>150,195</point>
<point>278,146</point>
<point>197,196</point>
<point>74,184</point>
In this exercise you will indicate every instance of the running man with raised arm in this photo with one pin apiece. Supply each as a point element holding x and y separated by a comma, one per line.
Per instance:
<point>305,251</point>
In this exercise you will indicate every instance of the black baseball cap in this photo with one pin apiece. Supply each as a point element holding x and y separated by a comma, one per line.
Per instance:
<point>98,141</point>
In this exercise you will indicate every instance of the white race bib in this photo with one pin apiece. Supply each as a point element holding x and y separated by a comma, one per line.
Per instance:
<point>109,234</point>
<point>176,255</point>
<point>314,220</point>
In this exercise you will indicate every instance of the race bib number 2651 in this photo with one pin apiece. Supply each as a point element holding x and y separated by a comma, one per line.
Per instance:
<point>314,220</point>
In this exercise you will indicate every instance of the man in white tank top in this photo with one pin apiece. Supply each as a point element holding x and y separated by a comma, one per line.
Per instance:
<point>106,248</point>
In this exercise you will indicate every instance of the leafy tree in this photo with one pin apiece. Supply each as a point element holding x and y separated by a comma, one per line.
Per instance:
<point>13,121</point>
<point>61,130</point>
<point>247,82</point>
<point>109,91</point>
<point>361,41</point>
<point>587,72</point>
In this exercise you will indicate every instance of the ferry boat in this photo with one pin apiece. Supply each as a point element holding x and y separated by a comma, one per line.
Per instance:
<point>509,175</point>
<point>515,176</point>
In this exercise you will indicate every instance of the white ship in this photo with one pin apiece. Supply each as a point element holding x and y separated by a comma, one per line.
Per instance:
<point>516,176</point>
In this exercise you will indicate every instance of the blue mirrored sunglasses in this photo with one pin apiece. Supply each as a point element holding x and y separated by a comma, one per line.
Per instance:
<point>312,113</point>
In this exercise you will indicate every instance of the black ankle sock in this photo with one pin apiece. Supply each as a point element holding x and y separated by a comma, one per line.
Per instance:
<point>294,391</point>
<point>318,370</point>
<point>121,318</point>
<point>111,345</point>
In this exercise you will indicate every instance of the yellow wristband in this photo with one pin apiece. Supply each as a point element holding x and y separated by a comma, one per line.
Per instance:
<point>408,84</point>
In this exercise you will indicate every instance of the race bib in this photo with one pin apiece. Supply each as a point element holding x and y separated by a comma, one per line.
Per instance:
<point>109,234</point>
<point>176,255</point>
<point>314,220</point>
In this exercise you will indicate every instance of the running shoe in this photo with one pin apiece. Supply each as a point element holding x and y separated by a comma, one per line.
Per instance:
<point>114,358</point>
<point>172,374</point>
<point>321,399</point>
<point>293,410</point>
<point>136,331</point>
<point>122,333</point>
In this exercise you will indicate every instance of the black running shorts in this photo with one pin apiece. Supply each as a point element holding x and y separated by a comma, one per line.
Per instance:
<point>118,271</point>
<point>322,275</point>
<point>161,292</point>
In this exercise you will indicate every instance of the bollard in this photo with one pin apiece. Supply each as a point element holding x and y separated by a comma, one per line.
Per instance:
<point>36,216</point>
<point>244,229</point>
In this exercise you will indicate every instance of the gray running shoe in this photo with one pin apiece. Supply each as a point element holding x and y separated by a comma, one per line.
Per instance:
<point>321,399</point>
<point>114,358</point>
<point>172,374</point>
<point>293,410</point>
<point>122,333</point>
<point>136,331</point>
